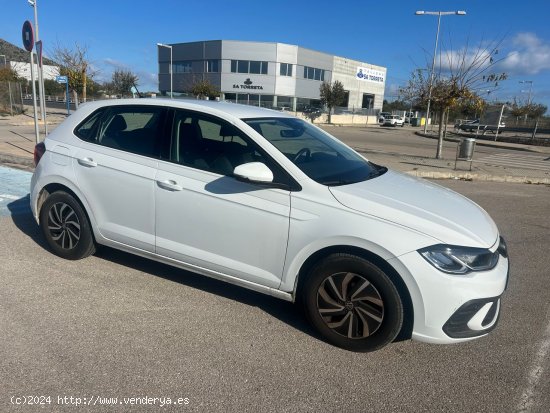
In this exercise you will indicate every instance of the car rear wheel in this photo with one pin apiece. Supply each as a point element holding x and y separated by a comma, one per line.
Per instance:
<point>66,227</point>
<point>352,303</point>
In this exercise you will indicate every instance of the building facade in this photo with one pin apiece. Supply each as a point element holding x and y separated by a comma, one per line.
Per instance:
<point>24,70</point>
<point>274,75</point>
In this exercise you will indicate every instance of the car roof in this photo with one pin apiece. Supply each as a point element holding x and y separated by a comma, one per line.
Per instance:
<point>211,106</point>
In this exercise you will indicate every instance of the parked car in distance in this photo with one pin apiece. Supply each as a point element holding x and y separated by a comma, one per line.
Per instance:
<point>312,110</point>
<point>409,116</point>
<point>382,116</point>
<point>473,125</point>
<point>269,202</point>
<point>393,120</point>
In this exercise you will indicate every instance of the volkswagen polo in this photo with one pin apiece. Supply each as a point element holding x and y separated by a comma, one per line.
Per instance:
<point>269,202</point>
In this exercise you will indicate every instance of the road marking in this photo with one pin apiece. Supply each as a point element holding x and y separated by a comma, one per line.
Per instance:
<point>14,190</point>
<point>536,371</point>
<point>9,196</point>
<point>539,162</point>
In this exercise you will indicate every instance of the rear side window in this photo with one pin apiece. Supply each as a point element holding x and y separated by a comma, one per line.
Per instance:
<point>87,130</point>
<point>135,129</point>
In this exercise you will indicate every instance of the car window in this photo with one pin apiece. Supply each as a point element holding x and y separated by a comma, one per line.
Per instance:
<point>87,130</point>
<point>133,129</point>
<point>320,157</point>
<point>211,144</point>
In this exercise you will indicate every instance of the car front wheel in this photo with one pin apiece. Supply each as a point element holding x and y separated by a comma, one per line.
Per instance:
<point>352,303</point>
<point>66,227</point>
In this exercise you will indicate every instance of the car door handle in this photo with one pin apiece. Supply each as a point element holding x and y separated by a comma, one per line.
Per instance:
<point>169,185</point>
<point>87,162</point>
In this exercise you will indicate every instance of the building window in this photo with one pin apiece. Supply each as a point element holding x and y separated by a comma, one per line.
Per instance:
<point>212,66</point>
<point>314,73</point>
<point>183,67</point>
<point>249,66</point>
<point>345,100</point>
<point>286,69</point>
<point>243,66</point>
<point>368,101</point>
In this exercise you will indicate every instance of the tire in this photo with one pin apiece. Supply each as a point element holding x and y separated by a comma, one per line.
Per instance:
<point>357,322</point>
<point>66,227</point>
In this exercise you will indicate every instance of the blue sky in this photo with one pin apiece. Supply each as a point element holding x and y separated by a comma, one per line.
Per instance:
<point>124,33</point>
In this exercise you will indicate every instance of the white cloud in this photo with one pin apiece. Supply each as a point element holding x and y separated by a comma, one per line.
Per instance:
<point>529,55</point>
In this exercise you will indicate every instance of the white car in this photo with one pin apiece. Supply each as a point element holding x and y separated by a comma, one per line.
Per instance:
<point>264,200</point>
<point>382,116</point>
<point>393,120</point>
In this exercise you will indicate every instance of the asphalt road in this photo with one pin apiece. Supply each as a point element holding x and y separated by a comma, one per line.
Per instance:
<point>116,326</point>
<point>401,141</point>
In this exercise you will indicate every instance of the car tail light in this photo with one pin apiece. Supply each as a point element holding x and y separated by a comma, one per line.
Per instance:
<point>39,150</point>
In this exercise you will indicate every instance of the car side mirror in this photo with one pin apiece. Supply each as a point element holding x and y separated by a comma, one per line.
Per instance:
<point>255,172</point>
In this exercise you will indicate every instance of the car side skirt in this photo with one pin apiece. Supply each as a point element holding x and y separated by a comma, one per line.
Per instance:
<point>200,270</point>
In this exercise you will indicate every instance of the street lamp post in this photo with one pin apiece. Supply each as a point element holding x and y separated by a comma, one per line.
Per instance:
<point>170,69</point>
<point>438,14</point>
<point>529,96</point>
<point>530,89</point>
<point>9,85</point>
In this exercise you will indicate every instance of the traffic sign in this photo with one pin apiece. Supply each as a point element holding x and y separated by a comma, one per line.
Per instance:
<point>61,79</point>
<point>28,36</point>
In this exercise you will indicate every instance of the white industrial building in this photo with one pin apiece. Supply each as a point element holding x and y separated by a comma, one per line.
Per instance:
<point>24,70</point>
<point>269,74</point>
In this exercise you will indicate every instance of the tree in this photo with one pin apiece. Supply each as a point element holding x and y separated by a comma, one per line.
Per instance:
<point>122,82</point>
<point>76,66</point>
<point>395,105</point>
<point>7,74</point>
<point>51,87</point>
<point>203,89</point>
<point>332,95</point>
<point>456,83</point>
<point>536,110</point>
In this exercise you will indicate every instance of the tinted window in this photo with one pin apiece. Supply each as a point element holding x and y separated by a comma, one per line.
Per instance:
<point>87,130</point>
<point>255,67</point>
<point>208,143</point>
<point>242,66</point>
<point>211,144</point>
<point>320,157</point>
<point>133,129</point>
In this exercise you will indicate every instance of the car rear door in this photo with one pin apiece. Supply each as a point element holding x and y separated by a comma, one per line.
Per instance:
<point>116,167</point>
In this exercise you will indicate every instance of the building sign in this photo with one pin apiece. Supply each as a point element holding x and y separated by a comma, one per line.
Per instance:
<point>247,84</point>
<point>369,75</point>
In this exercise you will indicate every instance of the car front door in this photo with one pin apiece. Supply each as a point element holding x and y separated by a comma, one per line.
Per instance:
<point>208,219</point>
<point>116,166</point>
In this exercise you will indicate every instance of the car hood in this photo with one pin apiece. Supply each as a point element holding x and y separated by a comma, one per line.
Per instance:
<point>422,206</point>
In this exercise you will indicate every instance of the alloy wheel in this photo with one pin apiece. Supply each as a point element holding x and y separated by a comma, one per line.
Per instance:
<point>350,305</point>
<point>64,225</point>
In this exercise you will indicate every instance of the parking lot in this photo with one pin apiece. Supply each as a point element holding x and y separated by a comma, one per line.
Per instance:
<point>115,327</point>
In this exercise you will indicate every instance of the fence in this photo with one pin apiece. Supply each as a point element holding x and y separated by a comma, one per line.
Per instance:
<point>11,98</point>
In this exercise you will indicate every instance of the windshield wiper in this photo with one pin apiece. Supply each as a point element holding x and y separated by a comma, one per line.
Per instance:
<point>339,182</point>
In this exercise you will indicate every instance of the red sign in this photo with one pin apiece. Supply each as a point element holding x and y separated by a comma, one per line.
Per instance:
<point>28,36</point>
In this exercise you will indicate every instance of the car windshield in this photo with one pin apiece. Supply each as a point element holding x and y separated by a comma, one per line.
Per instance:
<point>321,157</point>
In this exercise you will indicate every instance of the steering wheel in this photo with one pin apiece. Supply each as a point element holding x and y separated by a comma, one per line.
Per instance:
<point>302,152</point>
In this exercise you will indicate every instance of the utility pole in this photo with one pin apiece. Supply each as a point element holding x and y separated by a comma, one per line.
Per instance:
<point>34,5</point>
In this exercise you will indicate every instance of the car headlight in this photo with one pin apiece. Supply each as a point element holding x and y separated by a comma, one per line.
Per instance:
<point>459,260</point>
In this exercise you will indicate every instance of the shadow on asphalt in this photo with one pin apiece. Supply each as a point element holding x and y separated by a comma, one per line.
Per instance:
<point>285,311</point>
<point>21,215</point>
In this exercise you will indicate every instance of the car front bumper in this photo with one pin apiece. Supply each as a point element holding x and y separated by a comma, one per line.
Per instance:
<point>452,308</point>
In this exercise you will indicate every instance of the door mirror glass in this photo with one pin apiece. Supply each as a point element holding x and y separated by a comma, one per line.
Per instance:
<point>254,172</point>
